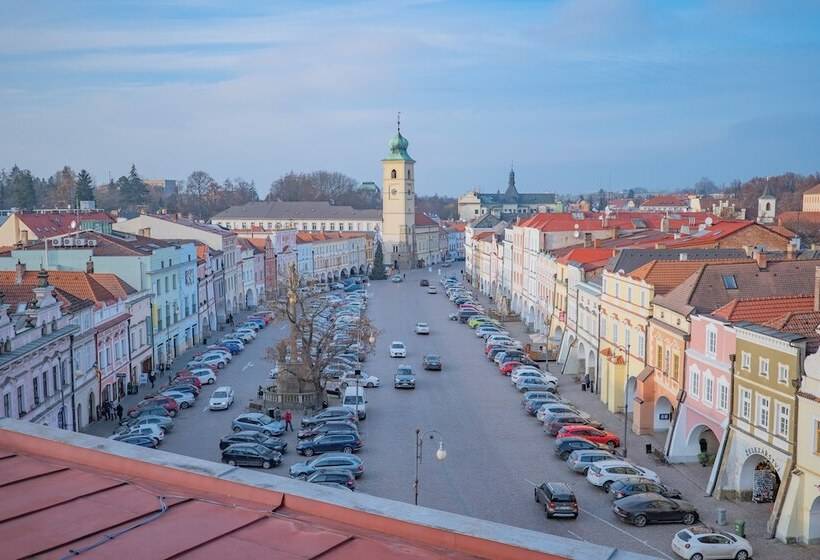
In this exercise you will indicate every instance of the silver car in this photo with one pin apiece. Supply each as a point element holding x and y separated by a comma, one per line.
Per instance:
<point>259,423</point>
<point>580,459</point>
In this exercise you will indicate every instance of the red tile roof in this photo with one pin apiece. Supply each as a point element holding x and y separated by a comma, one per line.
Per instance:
<point>49,225</point>
<point>423,219</point>
<point>587,256</point>
<point>667,200</point>
<point>317,236</point>
<point>814,190</point>
<point>797,322</point>
<point>79,284</point>
<point>763,309</point>
<point>799,217</point>
<point>666,275</point>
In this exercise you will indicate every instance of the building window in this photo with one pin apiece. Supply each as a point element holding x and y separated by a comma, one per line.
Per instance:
<point>21,402</point>
<point>629,294</point>
<point>783,413</point>
<point>641,344</point>
<point>708,389</point>
<point>746,404</point>
<point>166,284</point>
<point>159,292</point>
<point>729,282</point>
<point>711,341</point>
<point>694,383</point>
<point>763,367</point>
<point>659,357</point>
<point>7,405</point>
<point>763,411</point>
<point>35,385</point>
<point>723,396</point>
<point>643,298</point>
<point>745,361</point>
<point>615,332</point>
<point>393,174</point>
<point>676,367</point>
<point>617,290</point>
<point>174,283</point>
<point>45,383</point>
<point>782,373</point>
<point>817,437</point>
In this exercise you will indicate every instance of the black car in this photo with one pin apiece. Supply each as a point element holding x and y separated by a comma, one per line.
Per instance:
<point>326,428</point>
<point>640,509</point>
<point>564,446</point>
<point>424,282</point>
<point>344,461</point>
<point>558,499</point>
<point>432,361</point>
<point>623,488</point>
<point>142,441</point>
<point>346,443</point>
<point>338,476</point>
<point>251,455</point>
<point>248,436</point>
<point>331,413</point>
<point>404,378</point>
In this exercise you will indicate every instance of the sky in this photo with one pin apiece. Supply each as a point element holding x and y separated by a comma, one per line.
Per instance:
<point>577,95</point>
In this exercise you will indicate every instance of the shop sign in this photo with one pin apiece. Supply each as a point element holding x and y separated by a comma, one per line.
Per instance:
<point>757,450</point>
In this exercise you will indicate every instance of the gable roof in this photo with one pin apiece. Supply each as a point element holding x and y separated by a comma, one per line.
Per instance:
<point>628,259</point>
<point>587,257</point>
<point>665,275</point>
<point>51,224</point>
<point>762,309</point>
<point>486,221</point>
<point>423,219</point>
<point>667,200</point>
<point>814,190</point>
<point>296,210</point>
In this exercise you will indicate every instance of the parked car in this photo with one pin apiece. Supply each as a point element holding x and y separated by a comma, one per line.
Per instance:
<point>216,352</point>
<point>251,455</point>
<point>520,373</point>
<point>243,336</point>
<point>404,378</point>
<point>422,328</point>
<point>183,386</point>
<point>340,426</point>
<point>640,509</point>
<point>547,411</point>
<point>580,459</point>
<point>150,430</point>
<point>398,349</point>
<point>565,446</point>
<point>336,476</point>
<point>604,473</point>
<point>558,421</point>
<point>706,543</point>
<point>187,376</point>
<point>601,437</point>
<point>535,385</point>
<point>533,406</point>
<point>258,422</point>
<point>185,400</point>
<point>165,423</point>
<point>246,331</point>
<point>331,413</point>
<point>155,410</point>
<point>275,443</point>
<point>344,461</point>
<point>346,443</point>
<point>623,488</point>
<point>364,380</point>
<point>431,362</point>
<point>167,403</point>
<point>529,395</point>
<point>142,441</point>
<point>558,499</point>
<point>210,360</point>
<point>221,399</point>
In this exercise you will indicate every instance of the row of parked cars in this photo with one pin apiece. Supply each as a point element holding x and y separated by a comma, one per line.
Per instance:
<point>147,422</point>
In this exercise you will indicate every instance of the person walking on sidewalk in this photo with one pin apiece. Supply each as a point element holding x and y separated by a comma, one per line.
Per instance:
<point>288,420</point>
<point>152,377</point>
<point>119,411</point>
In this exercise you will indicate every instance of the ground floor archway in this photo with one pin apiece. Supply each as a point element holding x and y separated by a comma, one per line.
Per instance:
<point>702,440</point>
<point>250,298</point>
<point>814,522</point>
<point>663,414</point>
<point>759,481</point>
<point>91,407</point>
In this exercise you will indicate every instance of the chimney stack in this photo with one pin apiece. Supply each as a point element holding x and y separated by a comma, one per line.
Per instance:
<point>596,242</point>
<point>760,259</point>
<point>665,224</point>
<point>587,239</point>
<point>89,266</point>
<point>790,252</point>
<point>19,271</point>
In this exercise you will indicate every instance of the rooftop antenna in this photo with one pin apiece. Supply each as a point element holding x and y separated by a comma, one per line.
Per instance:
<point>398,122</point>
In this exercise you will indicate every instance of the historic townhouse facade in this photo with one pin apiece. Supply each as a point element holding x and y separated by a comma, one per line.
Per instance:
<point>329,257</point>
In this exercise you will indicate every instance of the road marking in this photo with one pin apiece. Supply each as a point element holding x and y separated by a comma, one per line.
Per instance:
<point>248,365</point>
<point>577,536</point>
<point>625,532</point>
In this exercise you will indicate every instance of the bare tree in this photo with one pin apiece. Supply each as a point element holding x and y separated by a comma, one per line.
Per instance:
<point>319,337</point>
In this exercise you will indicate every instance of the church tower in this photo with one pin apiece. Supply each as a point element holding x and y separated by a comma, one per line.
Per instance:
<point>398,204</point>
<point>766,205</point>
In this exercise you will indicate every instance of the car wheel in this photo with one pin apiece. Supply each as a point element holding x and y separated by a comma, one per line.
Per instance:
<point>220,365</point>
<point>696,556</point>
<point>231,462</point>
<point>537,499</point>
<point>184,405</point>
<point>606,486</point>
<point>611,445</point>
<point>689,519</point>
<point>267,433</point>
<point>173,413</point>
<point>237,429</point>
<point>742,555</point>
<point>309,452</point>
<point>211,381</point>
<point>639,520</point>
<point>369,386</point>
<point>347,450</point>
<point>564,455</point>
<point>266,465</point>
<point>302,477</point>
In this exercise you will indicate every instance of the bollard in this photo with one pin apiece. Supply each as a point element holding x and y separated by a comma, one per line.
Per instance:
<point>740,528</point>
<point>721,516</point>
<point>649,449</point>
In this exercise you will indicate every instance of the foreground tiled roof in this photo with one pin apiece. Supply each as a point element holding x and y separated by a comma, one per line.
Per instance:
<point>797,322</point>
<point>665,275</point>
<point>64,494</point>
<point>79,284</point>
<point>49,225</point>
<point>763,309</point>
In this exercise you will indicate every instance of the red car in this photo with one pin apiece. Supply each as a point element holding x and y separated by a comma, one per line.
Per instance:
<point>187,377</point>
<point>601,437</point>
<point>507,367</point>
<point>167,403</point>
<point>264,316</point>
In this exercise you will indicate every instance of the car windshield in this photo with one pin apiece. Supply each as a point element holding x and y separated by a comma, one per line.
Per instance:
<point>354,399</point>
<point>265,420</point>
<point>397,345</point>
<point>219,395</point>
<point>432,357</point>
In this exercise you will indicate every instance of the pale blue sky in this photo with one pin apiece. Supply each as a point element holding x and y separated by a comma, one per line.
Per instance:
<point>579,94</point>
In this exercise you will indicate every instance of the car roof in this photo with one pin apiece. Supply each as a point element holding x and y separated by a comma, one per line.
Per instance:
<point>223,388</point>
<point>560,488</point>
<point>615,463</point>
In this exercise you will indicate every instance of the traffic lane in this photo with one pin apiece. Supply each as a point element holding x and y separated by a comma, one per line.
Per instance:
<point>496,453</point>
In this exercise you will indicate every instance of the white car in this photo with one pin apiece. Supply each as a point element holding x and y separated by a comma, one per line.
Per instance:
<point>150,430</point>
<point>604,473</point>
<point>422,328</point>
<point>221,398</point>
<point>432,290</point>
<point>184,400</point>
<point>555,407</point>
<point>206,376</point>
<point>214,352</point>
<point>244,337</point>
<point>398,349</point>
<point>520,373</point>
<point>369,381</point>
<point>211,360</point>
<point>246,331</point>
<point>704,543</point>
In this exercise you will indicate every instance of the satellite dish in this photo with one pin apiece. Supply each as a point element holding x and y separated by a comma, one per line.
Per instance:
<point>708,221</point>
<point>73,224</point>
<point>577,233</point>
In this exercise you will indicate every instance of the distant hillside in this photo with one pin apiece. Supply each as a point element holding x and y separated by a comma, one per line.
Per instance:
<point>787,188</point>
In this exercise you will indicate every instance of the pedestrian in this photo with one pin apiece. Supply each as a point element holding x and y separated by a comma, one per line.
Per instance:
<point>260,392</point>
<point>99,412</point>
<point>152,377</point>
<point>119,411</point>
<point>585,385</point>
<point>404,275</point>
<point>288,420</point>
<point>106,413</point>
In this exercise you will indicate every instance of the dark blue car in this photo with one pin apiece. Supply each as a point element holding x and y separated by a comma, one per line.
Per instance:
<point>233,347</point>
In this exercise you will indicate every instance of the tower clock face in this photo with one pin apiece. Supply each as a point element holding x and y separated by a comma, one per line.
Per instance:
<point>394,192</point>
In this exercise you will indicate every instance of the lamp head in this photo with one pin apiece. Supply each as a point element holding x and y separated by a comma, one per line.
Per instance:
<point>441,453</point>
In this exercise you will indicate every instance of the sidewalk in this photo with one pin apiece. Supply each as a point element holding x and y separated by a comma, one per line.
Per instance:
<point>105,428</point>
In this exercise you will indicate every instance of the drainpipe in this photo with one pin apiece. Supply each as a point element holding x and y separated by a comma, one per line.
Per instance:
<point>598,355</point>
<point>721,455</point>
<point>73,388</point>
<point>774,520</point>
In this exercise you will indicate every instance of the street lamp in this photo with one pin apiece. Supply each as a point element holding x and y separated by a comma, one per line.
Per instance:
<point>441,454</point>
<point>626,398</point>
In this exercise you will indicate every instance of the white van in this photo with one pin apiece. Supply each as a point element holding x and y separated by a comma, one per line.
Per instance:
<point>354,399</point>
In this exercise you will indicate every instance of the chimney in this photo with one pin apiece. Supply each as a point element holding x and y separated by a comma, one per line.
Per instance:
<point>790,252</point>
<point>613,233</point>
<point>665,224</point>
<point>587,239</point>
<point>596,242</point>
<point>89,266</point>
<point>19,271</point>
<point>748,250</point>
<point>760,259</point>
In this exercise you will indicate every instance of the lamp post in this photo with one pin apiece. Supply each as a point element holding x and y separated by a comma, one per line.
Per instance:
<point>626,400</point>
<point>441,454</point>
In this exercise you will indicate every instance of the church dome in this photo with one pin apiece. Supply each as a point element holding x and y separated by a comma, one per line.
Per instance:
<point>398,143</point>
